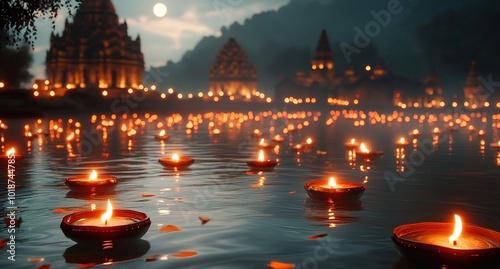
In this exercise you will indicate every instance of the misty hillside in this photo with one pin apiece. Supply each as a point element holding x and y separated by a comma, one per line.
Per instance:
<point>282,42</point>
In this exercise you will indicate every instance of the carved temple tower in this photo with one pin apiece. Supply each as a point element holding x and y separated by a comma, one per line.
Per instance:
<point>231,73</point>
<point>94,52</point>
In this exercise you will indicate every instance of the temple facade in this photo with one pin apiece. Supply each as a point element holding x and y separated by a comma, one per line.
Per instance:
<point>231,74</point>
<point>94,53</point>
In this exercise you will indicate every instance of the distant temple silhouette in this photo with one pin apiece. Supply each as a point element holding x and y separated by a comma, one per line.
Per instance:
<point>231,73</point>
<point>94,53</point>
<point>474,92</point>
<point>374,86</point>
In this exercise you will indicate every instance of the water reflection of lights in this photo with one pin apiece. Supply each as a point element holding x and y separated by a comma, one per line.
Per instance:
<point>331,214</point>
<point>498,158</point>
<point>400,159</point>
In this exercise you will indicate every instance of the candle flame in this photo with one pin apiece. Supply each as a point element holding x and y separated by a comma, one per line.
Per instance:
<point>416,132</point>
<point>309,141</point>
<point>499,143</point>
<point>277,137</point>
<point>457,230</point>
<point>353,141</point>
<point>12,151</point>
<point>402,140</point>
<point>363,148</point>
<point>162,133</point>
<point>93,175</point>
<point>436,130</point>
<point>332,183</point>
<point>107,215</point>
<point>175,157</point>
<point>262,141</point>
<point>261,156</point>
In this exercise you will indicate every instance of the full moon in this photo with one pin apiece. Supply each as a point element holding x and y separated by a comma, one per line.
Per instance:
<point>160,10</point>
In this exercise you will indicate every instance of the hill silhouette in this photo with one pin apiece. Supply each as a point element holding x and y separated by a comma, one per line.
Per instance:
<point>282,42</point>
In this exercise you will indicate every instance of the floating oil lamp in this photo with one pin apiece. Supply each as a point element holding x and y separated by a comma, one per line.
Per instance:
<point>472,129</point>
<point>402,142</point>
<point>436,131</point>
<point>101,225</point>
<point>264,145</point>
<point>495,145</point>
<point>278,138</point>
<point>297,148</point>
<point>11,155</point>
<point>176,161</point>
<point>162,135</point>
<point>29,135</point>
<point>415,133</point>
<point>256,133</point>
<point>364,152</point>
<point>94,183</point>
<point>334,190</point>
<point>352,144</point>
<point>448,245</point>
<point>261,163</point>
<point>480,133</point>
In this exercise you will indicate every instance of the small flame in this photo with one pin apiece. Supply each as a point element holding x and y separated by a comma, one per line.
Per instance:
<point>162,133</point>
<point>12,151</point>
<point>457,230</point>
<point>309,141</point>
<point>107,215</point>
<point>332,183</point>
<point>277,137</point>
<point>416,132</point>
<point>93,175</point>
<point>353,141</point>
<point>363,148</point>
<point>175,157</point>
<point>261,141</point>
<point>436,130</point>
<point>92,207</point>
<point>261,156</point>
<point>402,140</point>
<point>499,143</point>
<point>256,131</point>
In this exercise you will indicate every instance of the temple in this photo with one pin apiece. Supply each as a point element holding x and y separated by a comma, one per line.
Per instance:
<point>372,86</point>
<point>94,53</point>
<point>231,74</point>
<point>474,93</point>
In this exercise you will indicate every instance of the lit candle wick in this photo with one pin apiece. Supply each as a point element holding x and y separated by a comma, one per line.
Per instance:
<point>454,242</point>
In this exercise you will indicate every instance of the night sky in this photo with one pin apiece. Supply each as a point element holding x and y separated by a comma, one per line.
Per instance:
<point>169,37</point>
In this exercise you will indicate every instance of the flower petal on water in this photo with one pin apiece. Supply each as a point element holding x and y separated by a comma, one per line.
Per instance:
<point>204,220</point>
<point>280,265</point>
<point>314,237</point>
<point>184,254</point>
<point>153,258</point>
<point>291,192</point>
<point>36,259</point>
<point>147,195</point>
<point>44,266</point>
<point>170,228</point>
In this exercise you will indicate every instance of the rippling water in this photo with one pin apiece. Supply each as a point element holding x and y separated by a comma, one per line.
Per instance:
<point>255,217</point>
